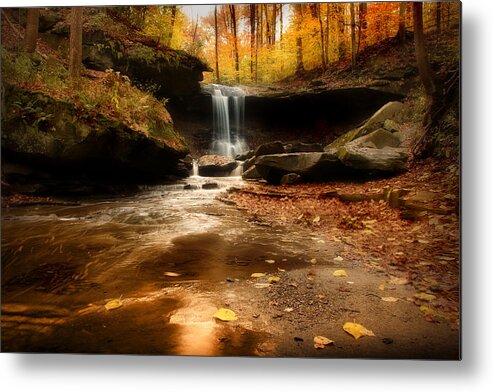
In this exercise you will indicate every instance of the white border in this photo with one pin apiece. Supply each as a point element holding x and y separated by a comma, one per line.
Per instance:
<point>127,373</point>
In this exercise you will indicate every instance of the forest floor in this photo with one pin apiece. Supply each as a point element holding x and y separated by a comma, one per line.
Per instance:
<point>390,253</point>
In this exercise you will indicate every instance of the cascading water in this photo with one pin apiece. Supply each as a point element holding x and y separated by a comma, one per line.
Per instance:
<point>228,109</point>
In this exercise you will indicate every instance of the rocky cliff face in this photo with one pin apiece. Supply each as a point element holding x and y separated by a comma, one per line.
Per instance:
<point>161,70</point>
<point>51,146</point>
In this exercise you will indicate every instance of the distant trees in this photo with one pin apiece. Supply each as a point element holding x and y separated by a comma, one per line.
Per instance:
<point>32,26</point>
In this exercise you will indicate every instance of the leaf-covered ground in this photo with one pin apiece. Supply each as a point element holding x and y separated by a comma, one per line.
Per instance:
<point>420,247</point>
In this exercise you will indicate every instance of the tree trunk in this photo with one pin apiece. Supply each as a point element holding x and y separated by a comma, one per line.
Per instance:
<point>268,36</point>
<point>32,25</point>
<point>235,42</point>
<point>172,25</point>
<point>363,23</point>
<point>322,37</point>
<point>280,24</point>
<point>439,17</point>
<point>402,23</point>
<point>218,78</point>
<point>299,42</point>
<point>252,37</point>
<point>273,24</point>
<point>75,44</point>
<point>433,94</point>
<point>353,36</point>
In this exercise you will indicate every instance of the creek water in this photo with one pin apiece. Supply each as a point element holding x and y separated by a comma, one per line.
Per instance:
<point>62,263</point>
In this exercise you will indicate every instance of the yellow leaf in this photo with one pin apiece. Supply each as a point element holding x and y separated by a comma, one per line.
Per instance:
<point>357,330</point>
<point>316,219</point>
<point>340,273</point>
<point>381,286</point>
<point>173,274</point>
<point>427,311</point>
<point>288,310</point>
<point>270,261</point>
<point>425,296</point>
<point>390,299</point>
<point>274,279</point>
<point>321,341</point>
<point>257,275</point>
<point>113,304</point>
<point>262,285</point>
<point>281,270</point>
<point>338,258</point>
<point>224,314</point>
<point>313,261</point>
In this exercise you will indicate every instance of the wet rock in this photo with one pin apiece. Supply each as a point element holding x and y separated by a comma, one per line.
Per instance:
<point>248,163</point>
<point>291,178</point>
<point>251,174</point>
<point>310,166</point>
<point>190,187</point>
<point>210,185</point>
<point>387,340</point>
<point>303,147</point>
<point>244,156</point>
<point>269,148</point>
<point>216,166</point>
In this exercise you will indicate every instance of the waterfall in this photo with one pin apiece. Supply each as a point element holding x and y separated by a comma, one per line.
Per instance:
<point>228,110</point>
<point>195,168</point>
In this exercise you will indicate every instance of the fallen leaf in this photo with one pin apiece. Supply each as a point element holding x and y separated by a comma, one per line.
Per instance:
<point>381,286</point>
<point>224,314</point>
<point>316,219</point>
<point>321,341</point>
<point>281,270</point>
<point>427,311</point>
<point>338,258</point>
<point>288,310</point>
<point>357,330</point>
<point>425,296</point>
<point>398,281</point>
<point>257,275</point>
<point>340,273</point>
<point>172,274</point>
<point>390,299</point>
<point>113,304</point>
<point>270,261</point>
<point>262,285</point>
<point>274,279</point>
<point>313,261</point>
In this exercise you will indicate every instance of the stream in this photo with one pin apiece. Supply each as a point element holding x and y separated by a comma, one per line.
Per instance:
<point>61,264</point>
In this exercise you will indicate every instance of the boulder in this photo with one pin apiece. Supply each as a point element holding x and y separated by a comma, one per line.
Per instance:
<point>210,185</point>
<point>64,148</point>
<point>291,178</point>
<point>216,166</point>
<point>371,160</point>
<point>311,166</point>
<point>244,156</point>
<point>303,147</point>
<point>251,174</point>
<point>248,163</point>
<point>390,111</point>
<point>391,126</point>
<point>374,153</point>
<point>269,149</point>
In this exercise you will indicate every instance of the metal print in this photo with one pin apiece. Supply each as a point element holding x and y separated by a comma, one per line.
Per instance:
<point>271,180</point>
